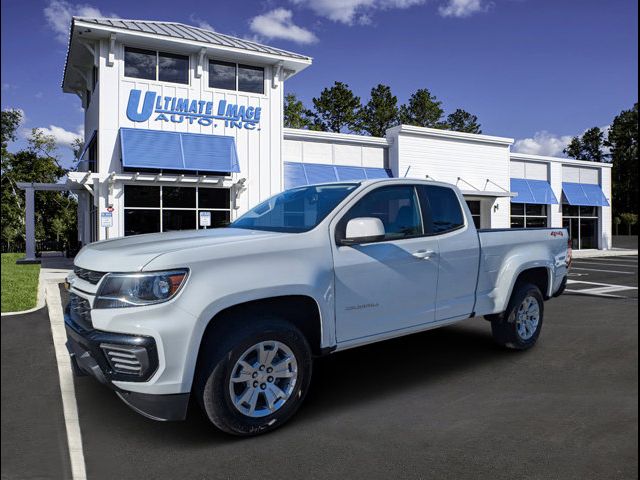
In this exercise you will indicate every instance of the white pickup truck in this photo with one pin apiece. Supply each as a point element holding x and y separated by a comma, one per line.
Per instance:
<point>234,316</point>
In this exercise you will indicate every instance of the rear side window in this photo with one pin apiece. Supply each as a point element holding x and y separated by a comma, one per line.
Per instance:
<point>396,207</point>
<point>442,209</point>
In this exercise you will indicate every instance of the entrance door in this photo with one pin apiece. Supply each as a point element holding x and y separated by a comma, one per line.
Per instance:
<point>390,284</point>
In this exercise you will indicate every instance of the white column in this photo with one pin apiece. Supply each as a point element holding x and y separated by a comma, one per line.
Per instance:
<point>555,180</point>
<point>30,230</point>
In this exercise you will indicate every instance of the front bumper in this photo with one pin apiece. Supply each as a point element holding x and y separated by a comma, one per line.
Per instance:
<point>109,357</point>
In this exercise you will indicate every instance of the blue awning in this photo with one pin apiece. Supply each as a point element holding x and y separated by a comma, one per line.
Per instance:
<point>584,194</point>
<point>298,174</point>
<point>532,191</point>
<point>178,151</point>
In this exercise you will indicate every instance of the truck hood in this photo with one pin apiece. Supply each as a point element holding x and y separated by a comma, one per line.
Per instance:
<point>131,254</point>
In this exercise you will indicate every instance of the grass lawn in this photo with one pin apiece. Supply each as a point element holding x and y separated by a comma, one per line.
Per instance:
<point>19,283</point>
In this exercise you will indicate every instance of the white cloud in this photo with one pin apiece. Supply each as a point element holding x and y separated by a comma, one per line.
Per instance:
<point>58,14</point>
<point>63,138</point>
<point>278,23</point>
<point>353,11</point>
<point>462,8</point>
<point>543,143</point>
<point>201,23</point>
<point>550,144</point>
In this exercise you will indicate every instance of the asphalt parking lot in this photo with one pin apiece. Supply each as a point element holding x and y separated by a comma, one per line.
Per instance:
<point>442,404</point>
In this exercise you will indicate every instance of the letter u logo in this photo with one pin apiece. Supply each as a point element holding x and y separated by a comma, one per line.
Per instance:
<point>147,106</point>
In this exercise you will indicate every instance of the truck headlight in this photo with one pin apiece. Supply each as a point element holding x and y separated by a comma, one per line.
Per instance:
<point>120,290</point>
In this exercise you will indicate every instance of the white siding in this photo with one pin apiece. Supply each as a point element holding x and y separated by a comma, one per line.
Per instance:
<point>316,152</point>
<point>373,157</point>
<point>536,171</point>
<point>573,174</point>
<point>347,155</point>
<point>334,152</point>
<point>517,170</point>
<point>464,163</point>
<point>292,151</point>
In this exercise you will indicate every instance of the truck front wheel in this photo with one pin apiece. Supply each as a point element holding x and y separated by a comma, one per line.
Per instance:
<point>519,326</point>
<point>256,378</point>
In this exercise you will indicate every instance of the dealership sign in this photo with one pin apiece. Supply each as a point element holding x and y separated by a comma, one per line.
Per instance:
<point>202,112</point>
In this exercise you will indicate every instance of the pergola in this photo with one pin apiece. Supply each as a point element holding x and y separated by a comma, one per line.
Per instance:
<point>30,231</point>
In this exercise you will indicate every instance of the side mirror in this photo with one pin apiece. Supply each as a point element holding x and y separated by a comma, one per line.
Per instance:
<point>363,230</point>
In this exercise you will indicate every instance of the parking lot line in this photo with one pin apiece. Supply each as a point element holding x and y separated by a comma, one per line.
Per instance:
<point>600,289</point>
<point>606,271</point>
<point>67,388</point>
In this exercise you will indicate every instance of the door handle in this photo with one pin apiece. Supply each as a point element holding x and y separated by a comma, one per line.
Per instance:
<point>424,254</point>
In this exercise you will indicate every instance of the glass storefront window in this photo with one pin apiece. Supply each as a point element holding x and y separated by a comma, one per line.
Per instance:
<point>474,208</point>
<point>139,221</point>
<point>528,215</point>
<point>179,197</point>
<point>582,224</point>
<point>151,209</point>
<point>178,220</point>
<point>213,198</point>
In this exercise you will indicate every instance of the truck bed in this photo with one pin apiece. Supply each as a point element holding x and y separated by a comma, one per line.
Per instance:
<point>505,252</point>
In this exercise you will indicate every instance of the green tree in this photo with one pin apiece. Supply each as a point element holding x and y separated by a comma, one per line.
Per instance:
<point>38,162</point>
<point>589,146</point>
<point>622,141</point>
<point>422,110</point>
<point>630,219</point>
<point>380,113</point>
<point>296,115</point>
<point>336,109</point>
<point>462,121</point>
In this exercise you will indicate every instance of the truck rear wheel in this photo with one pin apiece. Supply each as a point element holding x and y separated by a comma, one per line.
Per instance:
<point>256,377</point>
<point>519,326</point>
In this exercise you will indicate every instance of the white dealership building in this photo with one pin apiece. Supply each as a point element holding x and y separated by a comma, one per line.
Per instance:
<point>184,126</point>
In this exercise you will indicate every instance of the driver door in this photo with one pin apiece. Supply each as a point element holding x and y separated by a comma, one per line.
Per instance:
<point>389,284</point>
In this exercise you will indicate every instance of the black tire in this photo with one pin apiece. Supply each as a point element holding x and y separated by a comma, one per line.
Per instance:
<point>504,327</point>
<point>218,360</point>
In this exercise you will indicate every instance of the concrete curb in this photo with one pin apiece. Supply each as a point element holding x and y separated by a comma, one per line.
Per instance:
<point>604,253</point>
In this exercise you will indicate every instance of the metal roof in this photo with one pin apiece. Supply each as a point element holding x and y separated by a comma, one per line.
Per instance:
<point>188,32</point>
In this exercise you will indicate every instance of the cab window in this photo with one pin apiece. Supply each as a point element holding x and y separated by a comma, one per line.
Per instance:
<point>442,209</point>
<point>397,207</point>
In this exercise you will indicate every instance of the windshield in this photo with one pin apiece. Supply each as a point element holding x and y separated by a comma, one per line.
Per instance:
<point>297,210</point>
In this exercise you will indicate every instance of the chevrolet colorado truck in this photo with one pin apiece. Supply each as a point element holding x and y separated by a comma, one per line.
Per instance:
<point>233,317</point>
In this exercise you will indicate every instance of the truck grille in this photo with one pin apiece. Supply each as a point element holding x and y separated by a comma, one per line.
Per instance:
<point>90,276</point>
<point>128,360</point>
<point>80,311</point>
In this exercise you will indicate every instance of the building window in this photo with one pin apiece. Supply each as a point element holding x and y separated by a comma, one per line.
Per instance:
<point>231,76</point>
<point>474,208</point>
<point>149,209</point>
<point>250,79</point>
<point>222,75</point>
<point>582,224</point>
<point>528,215</point>
<point>140,63</point>
<point>173,68</point>
<point>92,155</point>
<point>153,65</point>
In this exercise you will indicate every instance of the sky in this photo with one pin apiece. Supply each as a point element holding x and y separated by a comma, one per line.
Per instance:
<point>539,71</point>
